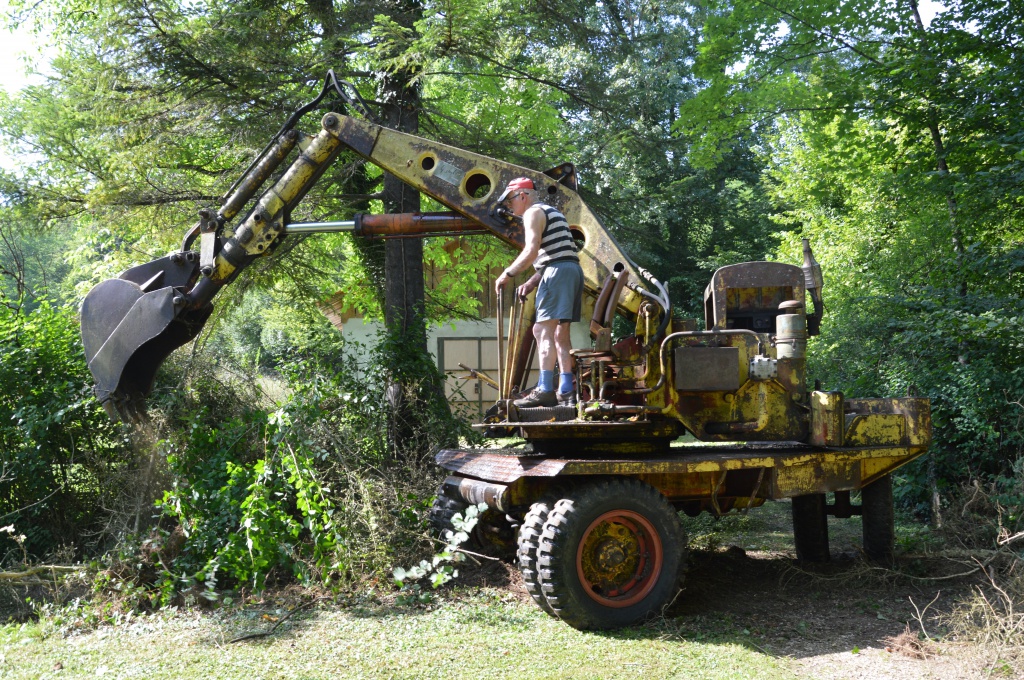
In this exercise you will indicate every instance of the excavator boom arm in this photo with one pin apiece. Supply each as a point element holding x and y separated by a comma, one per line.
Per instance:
<point>131,324</point>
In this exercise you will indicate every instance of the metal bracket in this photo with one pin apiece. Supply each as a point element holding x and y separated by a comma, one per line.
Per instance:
<point>208,228</point>
<point>714,493</point>
<point>763,368</point>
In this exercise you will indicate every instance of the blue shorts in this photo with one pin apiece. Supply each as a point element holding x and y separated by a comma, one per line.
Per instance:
<point>560,293</point>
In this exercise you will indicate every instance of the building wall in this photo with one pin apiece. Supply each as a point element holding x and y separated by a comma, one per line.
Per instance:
<point>470,342</point>
<point>473,343</point>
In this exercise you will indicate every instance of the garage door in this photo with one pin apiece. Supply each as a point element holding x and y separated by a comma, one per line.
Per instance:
<point>470,398</point>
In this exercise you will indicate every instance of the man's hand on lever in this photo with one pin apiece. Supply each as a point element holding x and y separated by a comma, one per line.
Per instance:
<point>528,287</point>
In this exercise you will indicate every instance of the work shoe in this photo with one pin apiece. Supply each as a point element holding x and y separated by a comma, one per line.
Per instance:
<point>566,398</point>
<point>536,398</point>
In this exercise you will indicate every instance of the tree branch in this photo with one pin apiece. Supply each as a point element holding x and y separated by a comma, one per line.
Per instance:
<point>40,569</point>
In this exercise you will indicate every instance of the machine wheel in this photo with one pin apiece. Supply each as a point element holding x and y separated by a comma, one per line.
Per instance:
<point>529,540</point>
<point>810,528</point>
<point>493,534</point>
<point>610,554</point>
<point>877,521</point>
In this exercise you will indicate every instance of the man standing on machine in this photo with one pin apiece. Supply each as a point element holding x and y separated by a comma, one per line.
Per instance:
<point>550,249</point>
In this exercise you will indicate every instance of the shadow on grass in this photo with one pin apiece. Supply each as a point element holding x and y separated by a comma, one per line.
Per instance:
<point>755,596</point>
<point>769,603</point>
<point>486,576</point>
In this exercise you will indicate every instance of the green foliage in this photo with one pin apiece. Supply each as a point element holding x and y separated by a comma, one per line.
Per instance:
<point>170,100</point>
<point>313,490</point>
<point>254,517</point>
<point>909,312</point>
<point>60,456</point>
<point>885,144</point>
<point>440,568</point>
<point>463,267</point>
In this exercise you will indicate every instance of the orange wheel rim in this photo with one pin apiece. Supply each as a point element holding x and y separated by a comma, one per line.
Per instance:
<point>619,558</point>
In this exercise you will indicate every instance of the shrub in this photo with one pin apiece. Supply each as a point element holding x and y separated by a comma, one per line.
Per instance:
<point>313,489</point>
<point>62,461</point>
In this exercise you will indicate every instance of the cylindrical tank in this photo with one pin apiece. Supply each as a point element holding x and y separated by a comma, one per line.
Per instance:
<point>791,348</point>
<point>791,336</point>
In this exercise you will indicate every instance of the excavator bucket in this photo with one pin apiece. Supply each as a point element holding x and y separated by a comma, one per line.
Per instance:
<point>131,324</point>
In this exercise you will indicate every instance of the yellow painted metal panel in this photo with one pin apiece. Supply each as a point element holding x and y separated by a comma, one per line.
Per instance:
<point>877,429</point>
<point>828,424</point>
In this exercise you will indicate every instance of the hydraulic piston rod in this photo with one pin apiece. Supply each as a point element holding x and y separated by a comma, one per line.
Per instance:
<point>393,225</point>
<point>319,227</point>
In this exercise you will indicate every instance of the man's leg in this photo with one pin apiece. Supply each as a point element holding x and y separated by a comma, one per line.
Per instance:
<point>545,334</point>
<point>563,343</point>
<point>544,395</point>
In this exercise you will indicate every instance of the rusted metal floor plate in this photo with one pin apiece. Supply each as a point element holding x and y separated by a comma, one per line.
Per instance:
<point>599,439</point>
<point>504,468</point>
<point>578,429</point>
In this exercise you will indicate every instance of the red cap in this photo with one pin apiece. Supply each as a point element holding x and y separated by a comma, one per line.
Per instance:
<point>517,183</point>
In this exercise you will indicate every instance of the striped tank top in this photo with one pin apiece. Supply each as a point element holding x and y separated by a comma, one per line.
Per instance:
<point>556,241</point>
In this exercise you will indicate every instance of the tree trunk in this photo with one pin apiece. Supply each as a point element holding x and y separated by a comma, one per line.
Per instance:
<point>415,393</point>
<point>943,167</point>
<point>958,254</point>
<point>403,257</point>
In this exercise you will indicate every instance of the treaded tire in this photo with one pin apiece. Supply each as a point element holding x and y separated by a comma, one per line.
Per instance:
<point>492,535</point>
<point>441,512</point>
<point>611,553</point>
<point>810,528</point>
<point>878,521</point>
<point>529,538</point>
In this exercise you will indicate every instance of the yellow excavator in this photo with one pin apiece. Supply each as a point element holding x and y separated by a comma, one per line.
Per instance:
<point>669,419</point>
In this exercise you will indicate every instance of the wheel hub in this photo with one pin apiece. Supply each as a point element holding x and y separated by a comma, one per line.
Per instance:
<point>619,558</point>
<point>610,554</point>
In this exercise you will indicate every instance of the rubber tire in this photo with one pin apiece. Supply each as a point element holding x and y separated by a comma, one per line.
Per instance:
<point>564,530</point>
<point>529,539</point>
<point>492,535</point>
<point>878,521</point>
<point>810,528</point>
<point>441,513</point>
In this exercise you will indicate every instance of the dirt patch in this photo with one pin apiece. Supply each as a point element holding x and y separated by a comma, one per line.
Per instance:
<point>491,573</point>
<point>836,620</point>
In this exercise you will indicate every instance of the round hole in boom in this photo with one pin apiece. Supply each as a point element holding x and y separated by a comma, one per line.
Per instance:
<point>427,163</point>
<point>578,237</point>
<point>478,185</point>
<point>552,189</point>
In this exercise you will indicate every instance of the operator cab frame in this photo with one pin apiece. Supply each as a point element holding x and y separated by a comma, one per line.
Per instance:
<point>749,295</point>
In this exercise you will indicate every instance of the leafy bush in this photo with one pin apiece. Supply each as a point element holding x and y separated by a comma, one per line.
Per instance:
<point>314,490</point>
<point>62,461</point>
<point>961,351</point>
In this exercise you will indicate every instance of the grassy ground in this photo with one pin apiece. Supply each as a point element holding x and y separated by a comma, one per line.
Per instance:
<point>746,612</point>
<point>491,633</point>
